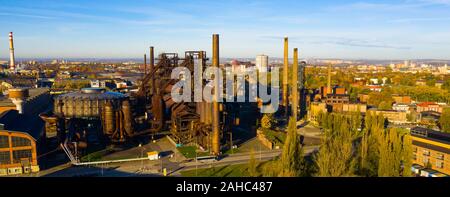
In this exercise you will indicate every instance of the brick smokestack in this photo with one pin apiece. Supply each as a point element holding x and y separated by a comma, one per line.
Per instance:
<point>12,62</point>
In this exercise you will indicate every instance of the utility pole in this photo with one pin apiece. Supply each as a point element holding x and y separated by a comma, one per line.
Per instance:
<point>231,143</point>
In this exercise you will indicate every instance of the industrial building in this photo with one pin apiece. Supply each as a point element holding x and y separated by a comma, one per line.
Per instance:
<point>95,117</point>
<point>20,138</point>
<point>22,132</point>
<point>396,117</point>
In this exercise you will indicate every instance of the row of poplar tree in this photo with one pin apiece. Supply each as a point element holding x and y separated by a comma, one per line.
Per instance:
<point>352,145</point>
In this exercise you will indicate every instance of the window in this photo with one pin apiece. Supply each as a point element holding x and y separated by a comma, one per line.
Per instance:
<point>415,149</point>
<point>19,141</point>
<point>5,157</point>
<point>4,141</point>
<point>21,154</point>
<point>439,164</point>
<point>426,153</point>
<point>440,156</point>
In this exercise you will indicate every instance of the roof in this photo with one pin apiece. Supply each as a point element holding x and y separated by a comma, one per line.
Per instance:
<point>431,134</point>
<point>92,96</point>
<point>32,92</point>
<point>426,104</point>
<point>31,124</point>
<point>341,95</point>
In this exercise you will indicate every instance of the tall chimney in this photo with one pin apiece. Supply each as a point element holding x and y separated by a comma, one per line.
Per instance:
<point>301,89</point>
<point>285,75</point>
<point>12,63</point>
<point>152,58</point>
<point>329,80</point>
<point>215,114</point>
<point>152,64</point>
<point>294,85</point>
<point>145,64</point>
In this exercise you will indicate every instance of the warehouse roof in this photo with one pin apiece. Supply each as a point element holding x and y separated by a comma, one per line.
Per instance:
<point>31,124</point>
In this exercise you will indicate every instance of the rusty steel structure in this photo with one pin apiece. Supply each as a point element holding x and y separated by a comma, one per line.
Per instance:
<point>117,117</point>
<point>202,123</point>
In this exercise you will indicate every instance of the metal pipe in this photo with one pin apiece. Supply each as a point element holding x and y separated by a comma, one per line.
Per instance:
<point>285,75</point>
<point>294,85</point>
<point>215,112</point>
<point>12,63</point>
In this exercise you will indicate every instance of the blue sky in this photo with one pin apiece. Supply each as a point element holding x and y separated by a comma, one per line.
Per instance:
<point>395,29</point>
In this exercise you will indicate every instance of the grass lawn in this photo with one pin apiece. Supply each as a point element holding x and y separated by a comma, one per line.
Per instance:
<point>189,152</point>
<point>239,170</point>
<point>96,156</point>
<point>275,137</point>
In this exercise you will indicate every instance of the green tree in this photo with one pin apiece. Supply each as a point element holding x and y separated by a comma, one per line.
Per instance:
<point>444,120</point>
<point>252,165</point>
<point>292,162</point>
<point>369,145</point>
<point>395,154</point>
<point>335,156</point>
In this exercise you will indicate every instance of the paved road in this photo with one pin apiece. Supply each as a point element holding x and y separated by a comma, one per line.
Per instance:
<point>240,159</point>
<point>153,168</point>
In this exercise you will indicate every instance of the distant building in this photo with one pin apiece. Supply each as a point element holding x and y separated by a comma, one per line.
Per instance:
<point>340,90</point>
<point>337,99</point>
<point>262,62</point>
<point>429,106</point>
<point>356,107</point>
<point>103,84</point>
<point>396,117</point>
<point>402,99</point>
<point>123,84</point>
<point>401,107</point>
<point>375,88</point>
<point>431,148</point>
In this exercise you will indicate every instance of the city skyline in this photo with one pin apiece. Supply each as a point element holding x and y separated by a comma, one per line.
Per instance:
<point>409,29</point>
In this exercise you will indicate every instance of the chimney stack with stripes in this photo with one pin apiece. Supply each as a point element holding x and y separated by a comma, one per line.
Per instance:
<point>12,63</point>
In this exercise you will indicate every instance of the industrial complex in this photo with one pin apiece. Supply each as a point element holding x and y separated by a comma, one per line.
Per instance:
<point>52,117</point>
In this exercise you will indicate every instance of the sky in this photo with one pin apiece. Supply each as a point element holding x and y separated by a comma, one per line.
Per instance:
<point>348,29</point>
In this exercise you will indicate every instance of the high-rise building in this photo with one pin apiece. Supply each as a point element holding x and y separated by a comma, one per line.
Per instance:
<point>406,64</point>
<point>262,61</point>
